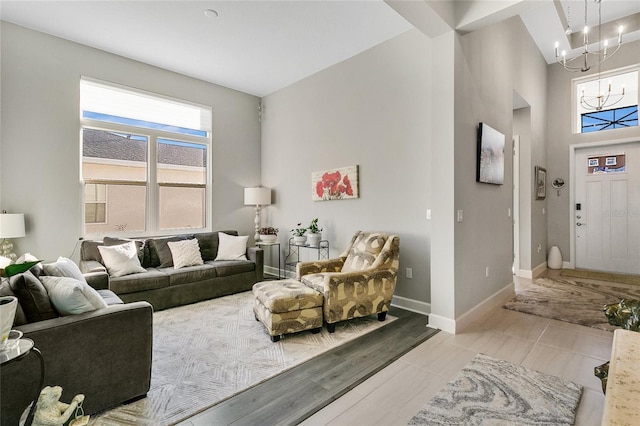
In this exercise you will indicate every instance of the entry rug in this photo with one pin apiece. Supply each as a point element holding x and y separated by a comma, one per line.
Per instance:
<point>207,352</point>
<point>572,301</point>
<point>494,392</point>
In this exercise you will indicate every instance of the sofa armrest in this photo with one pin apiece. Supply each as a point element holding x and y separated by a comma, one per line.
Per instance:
<point>256,254</point>
<point>105,355</point>
<point>98,280</point>
<point>315,267</point>
<point>88,266</point>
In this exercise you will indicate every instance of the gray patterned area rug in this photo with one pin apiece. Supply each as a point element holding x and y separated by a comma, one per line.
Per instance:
<point>209,351</point>
<point>494,392</point>
<point>572,301</point>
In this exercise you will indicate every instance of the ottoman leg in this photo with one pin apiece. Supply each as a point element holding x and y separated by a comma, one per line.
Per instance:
<point>331,327</point>
<point>382,316</point>
<point>316,330</point>
<point>275,339</point>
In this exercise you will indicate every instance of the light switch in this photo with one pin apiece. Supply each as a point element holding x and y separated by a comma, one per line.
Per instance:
<point>429,214</point>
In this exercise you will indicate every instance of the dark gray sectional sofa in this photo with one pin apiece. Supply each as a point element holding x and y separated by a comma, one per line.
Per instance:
<point>105,354</point>
<point>165,287</point>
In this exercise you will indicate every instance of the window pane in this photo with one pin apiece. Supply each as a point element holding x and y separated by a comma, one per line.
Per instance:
<point>114,156</point>
<point>182,207</point>
<point>124,210</point>
<point>181,162</point>
<point>610,119</point>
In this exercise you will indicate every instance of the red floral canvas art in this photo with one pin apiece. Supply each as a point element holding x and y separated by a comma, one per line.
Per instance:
<point>337,184</point>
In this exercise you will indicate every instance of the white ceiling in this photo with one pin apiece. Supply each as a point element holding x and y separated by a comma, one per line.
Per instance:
<point>259,47</point>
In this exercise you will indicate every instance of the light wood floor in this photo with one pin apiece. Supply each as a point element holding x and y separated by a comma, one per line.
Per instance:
<point>395,394</point>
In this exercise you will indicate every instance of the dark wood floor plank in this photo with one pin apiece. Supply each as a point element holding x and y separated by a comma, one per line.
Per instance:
<point>296,394</point>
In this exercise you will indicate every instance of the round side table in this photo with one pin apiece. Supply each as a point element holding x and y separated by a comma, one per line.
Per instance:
<point>23,348</point>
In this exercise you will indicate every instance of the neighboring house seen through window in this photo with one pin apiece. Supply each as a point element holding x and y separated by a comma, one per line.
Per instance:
<point>145,161</point>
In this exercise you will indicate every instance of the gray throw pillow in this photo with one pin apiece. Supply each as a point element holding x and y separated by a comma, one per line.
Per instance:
<point>5,290</point>
<point>33,297</point>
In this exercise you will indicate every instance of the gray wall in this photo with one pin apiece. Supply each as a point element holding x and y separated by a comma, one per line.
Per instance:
<point>371,110</point>
<point>560,136</point>
<point>489,65</point>
<point>40,149</point>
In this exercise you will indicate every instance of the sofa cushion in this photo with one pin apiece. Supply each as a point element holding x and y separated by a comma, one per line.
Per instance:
<point>63,267</point>
<point>89,249</point>
<point>5,290</point>
<point>231,247</point>
<point>185,253</point>
<point>33,297</point>
<point>110,298</point>
<point>150,280</point>
<point>71,297</point>
<point>160,255</point>
<point>225,268</point>
<point>208,242</point>
<point>189,274</point>
<point>121,260</point>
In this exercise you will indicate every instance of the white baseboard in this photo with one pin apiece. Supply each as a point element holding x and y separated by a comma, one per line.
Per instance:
<point>475,314</point>
<point>412,305</point>
<point>535,273</point>
<point>539,270</point>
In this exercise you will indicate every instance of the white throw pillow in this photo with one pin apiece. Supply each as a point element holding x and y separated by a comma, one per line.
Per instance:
<point>70,296</point>
<point>121,260</point>
<point>185,253</point>
<point>63,267</point>
<point>231,247</point>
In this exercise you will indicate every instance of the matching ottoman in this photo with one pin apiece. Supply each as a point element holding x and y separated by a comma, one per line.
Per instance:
<point>287,306</point>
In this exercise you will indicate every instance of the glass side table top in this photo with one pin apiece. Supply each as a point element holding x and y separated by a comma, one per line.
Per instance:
<point>18,350</point>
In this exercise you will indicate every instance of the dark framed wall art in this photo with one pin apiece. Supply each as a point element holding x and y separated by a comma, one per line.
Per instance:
<point>541,183</point>
<point>490,167</point>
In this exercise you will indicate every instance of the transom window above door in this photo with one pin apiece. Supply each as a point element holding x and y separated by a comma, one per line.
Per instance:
<point>606,103</point>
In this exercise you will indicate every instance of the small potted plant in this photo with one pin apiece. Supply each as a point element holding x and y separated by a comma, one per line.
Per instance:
<point>315,233</point>
<point>299,236</point>
<point>268,234</point>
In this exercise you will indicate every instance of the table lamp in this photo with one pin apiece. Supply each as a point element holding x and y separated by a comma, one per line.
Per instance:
<point>257,197</point>
<point>11,226</point>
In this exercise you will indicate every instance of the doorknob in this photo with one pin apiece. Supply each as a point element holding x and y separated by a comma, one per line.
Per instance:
<point>580,224</point>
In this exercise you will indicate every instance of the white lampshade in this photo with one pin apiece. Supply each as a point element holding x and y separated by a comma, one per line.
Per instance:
<point>257,196</point>
<point>12,225</point>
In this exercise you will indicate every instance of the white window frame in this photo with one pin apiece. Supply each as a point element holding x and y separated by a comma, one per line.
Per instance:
<point>576,127</point>
<point>152,213</point>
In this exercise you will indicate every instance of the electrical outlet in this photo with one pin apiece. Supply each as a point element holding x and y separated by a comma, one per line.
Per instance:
<point>459,216</point>
<point>539,248</point>
<point>486,272</point>
<point>428,214</point>
<point>509,212</point>
<point>409,273</point>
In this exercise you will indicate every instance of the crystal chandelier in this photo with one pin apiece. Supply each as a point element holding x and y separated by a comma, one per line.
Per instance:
<point>602,99</point>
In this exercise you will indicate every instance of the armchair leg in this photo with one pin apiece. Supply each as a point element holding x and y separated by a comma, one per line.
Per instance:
<point>331,327</point>
<point>275,339</point>
<point>382,316</point>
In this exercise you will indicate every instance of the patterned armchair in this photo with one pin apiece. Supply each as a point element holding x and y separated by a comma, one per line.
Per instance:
<point>360,282</point>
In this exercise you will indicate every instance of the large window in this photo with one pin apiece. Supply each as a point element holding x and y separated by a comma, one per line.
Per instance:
<point>145,161</point>
<point>620,111</point>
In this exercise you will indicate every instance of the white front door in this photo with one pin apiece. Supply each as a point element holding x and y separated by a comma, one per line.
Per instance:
<point>607,210</point>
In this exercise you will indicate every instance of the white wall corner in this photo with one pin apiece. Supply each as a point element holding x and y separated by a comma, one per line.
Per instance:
<point>525,273</point>
<point>412,305</point>
<point>442,323</point>
<point>474,315</point>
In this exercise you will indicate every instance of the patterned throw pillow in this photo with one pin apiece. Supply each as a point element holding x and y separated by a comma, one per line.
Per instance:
<point>185,253</point>
<point>121,260</point>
